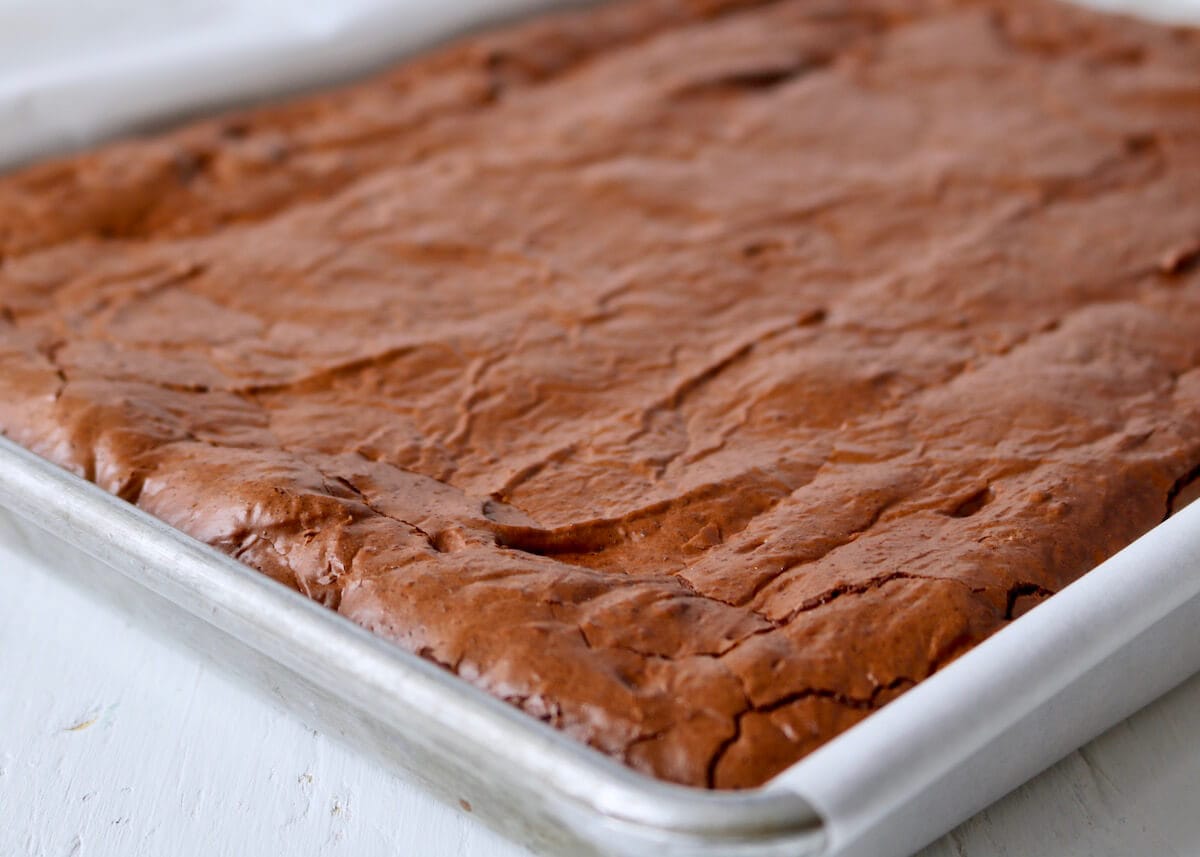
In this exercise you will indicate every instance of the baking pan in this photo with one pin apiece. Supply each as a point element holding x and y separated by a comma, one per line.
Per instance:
<point>1081,661</point>
<point>1078,663</point>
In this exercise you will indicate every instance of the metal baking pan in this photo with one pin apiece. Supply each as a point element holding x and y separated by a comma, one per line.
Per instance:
<point>1078,663</point>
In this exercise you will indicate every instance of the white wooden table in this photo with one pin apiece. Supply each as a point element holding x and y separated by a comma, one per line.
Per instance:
<point>113,744</point>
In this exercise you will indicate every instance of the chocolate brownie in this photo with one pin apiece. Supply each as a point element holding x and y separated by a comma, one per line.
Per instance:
<point>696,375</point>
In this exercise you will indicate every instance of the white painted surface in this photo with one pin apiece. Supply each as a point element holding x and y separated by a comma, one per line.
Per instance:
<point>113,744</point>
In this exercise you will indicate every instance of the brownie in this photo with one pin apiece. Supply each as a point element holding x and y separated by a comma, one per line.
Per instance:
<point>696,375</point>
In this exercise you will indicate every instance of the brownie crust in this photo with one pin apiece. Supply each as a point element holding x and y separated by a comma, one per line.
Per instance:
<point>696,376</point>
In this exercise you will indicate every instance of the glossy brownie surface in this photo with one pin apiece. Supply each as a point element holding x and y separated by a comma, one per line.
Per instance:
<point>696,376</point>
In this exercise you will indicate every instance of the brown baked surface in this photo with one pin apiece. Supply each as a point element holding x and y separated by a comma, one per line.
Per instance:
<point>697,376</point>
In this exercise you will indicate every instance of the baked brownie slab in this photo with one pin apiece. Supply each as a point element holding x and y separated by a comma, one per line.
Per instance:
<point>697,376</point>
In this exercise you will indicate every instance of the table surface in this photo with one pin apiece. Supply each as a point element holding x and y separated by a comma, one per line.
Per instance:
<point>114,743</point>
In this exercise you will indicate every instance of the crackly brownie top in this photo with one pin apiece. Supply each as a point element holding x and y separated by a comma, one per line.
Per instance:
<point>697,376</point>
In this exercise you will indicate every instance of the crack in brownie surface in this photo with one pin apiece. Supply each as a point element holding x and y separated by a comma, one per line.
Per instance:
<point>697,376</point>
